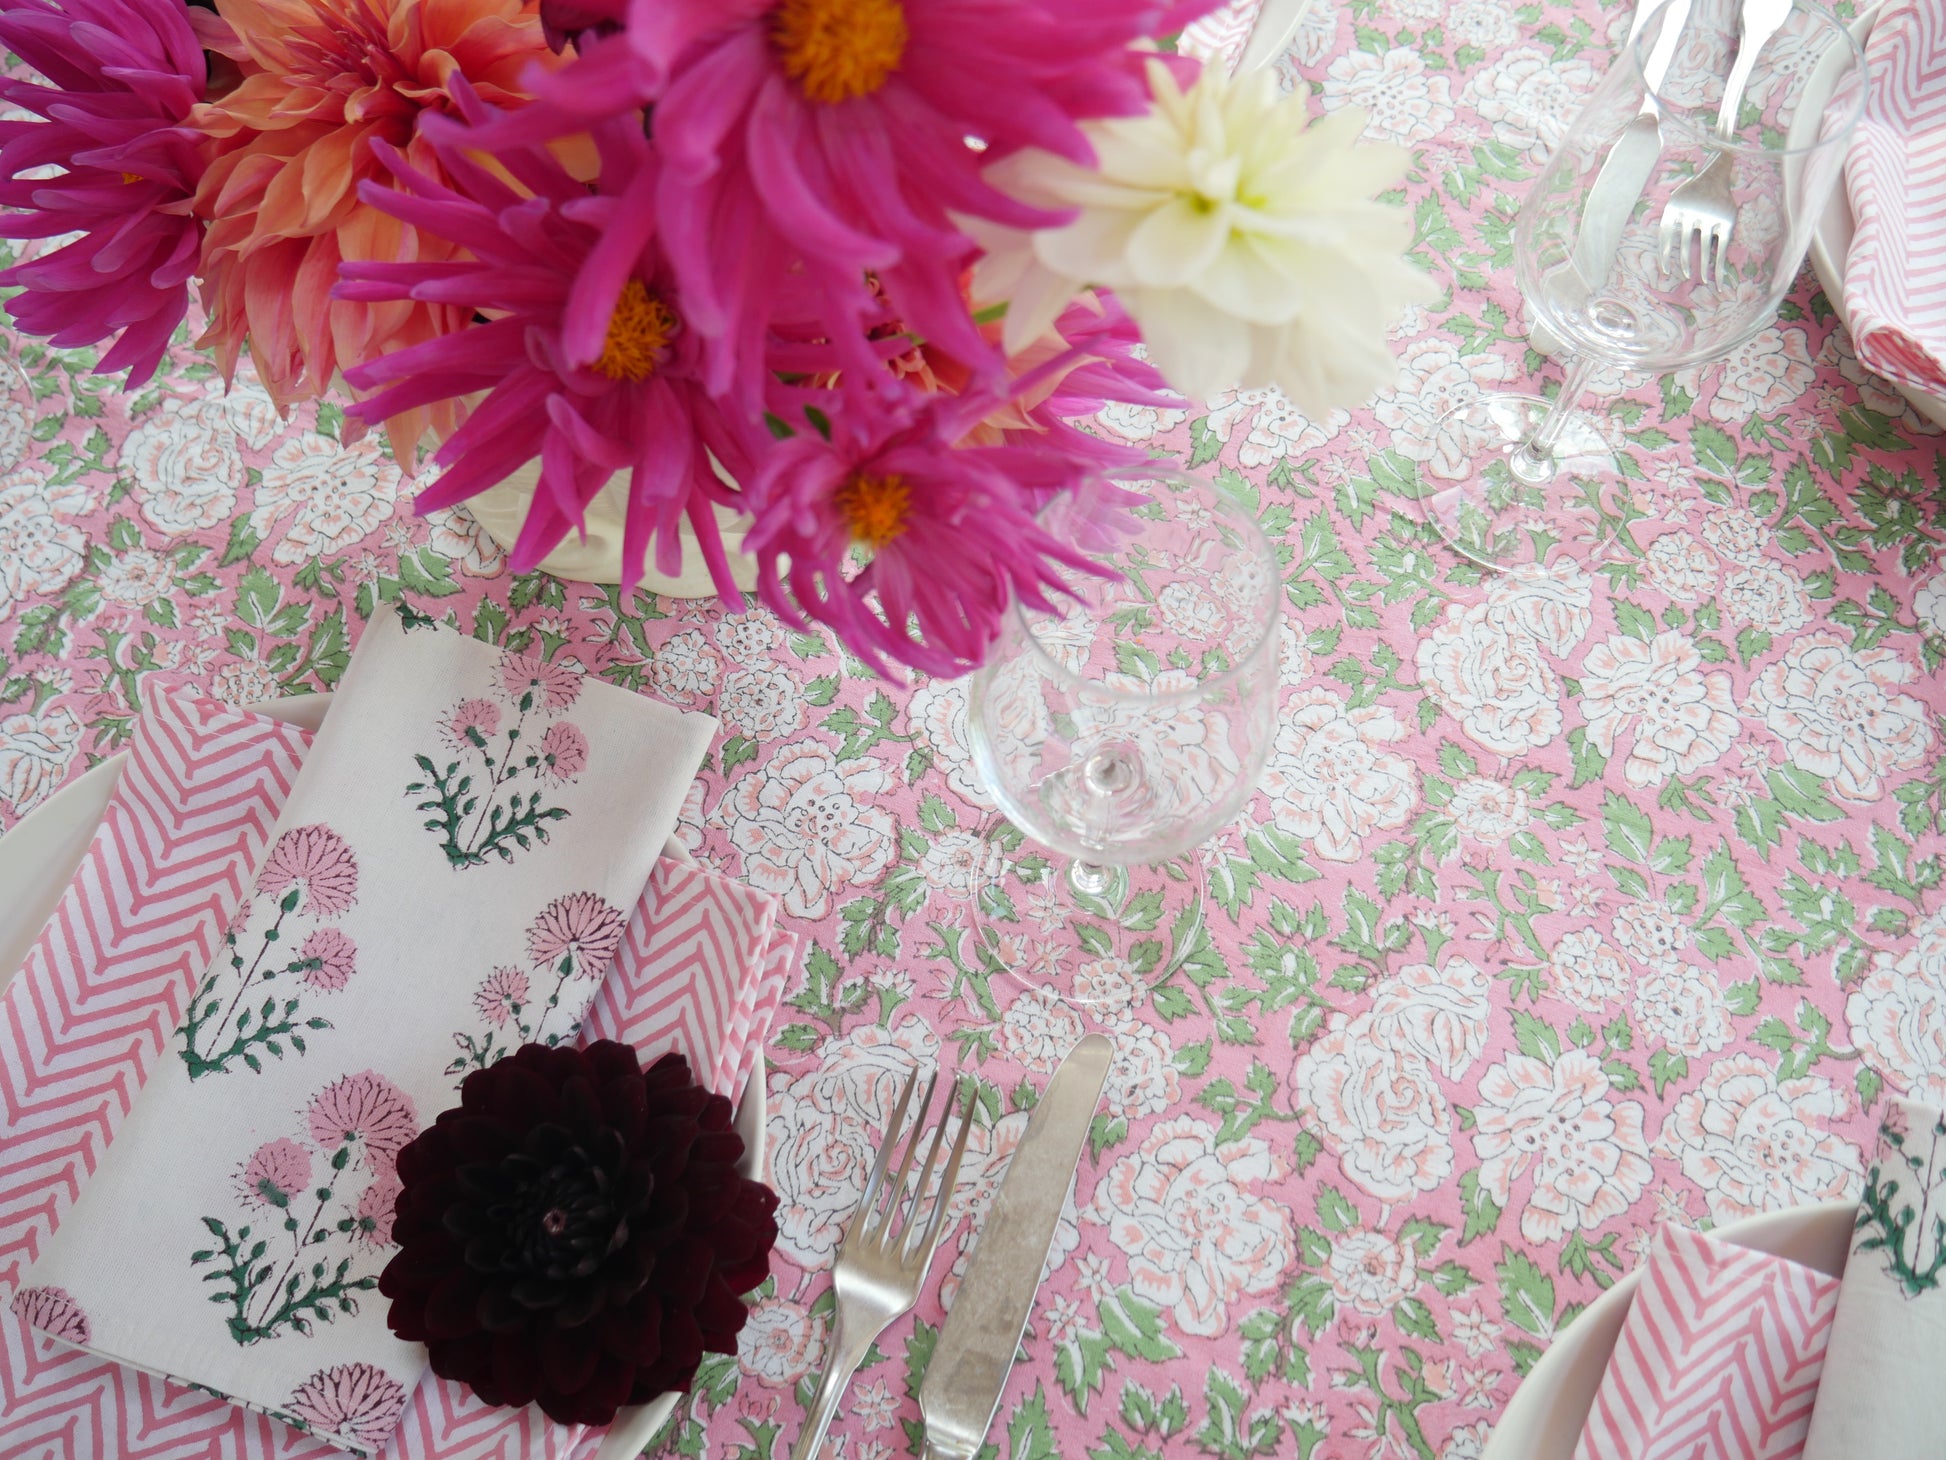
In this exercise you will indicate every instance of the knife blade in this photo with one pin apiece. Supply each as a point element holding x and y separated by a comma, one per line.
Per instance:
<point>976,1346</point>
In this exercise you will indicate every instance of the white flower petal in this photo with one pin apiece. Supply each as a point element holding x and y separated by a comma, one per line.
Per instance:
<point>1178,242</point>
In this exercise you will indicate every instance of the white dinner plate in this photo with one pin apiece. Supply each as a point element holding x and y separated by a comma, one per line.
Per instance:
<point>38,859</point>
<point>1831,235</point>
<point>1544,1418</point>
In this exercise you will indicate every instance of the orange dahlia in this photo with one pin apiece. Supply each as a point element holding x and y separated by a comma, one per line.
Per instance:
<point>320,80</point>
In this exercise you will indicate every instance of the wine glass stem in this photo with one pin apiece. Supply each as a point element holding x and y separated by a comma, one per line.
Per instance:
<point>1090,878</point>
<point>1532,461</point>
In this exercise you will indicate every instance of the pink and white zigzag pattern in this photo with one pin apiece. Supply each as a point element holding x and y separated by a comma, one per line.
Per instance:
<point>1718,1360</point>
<point>1895,293</point>
<point>96,1003</point>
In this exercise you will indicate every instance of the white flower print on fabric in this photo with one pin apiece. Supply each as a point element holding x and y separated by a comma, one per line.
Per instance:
<point>40,547</point>
<point>1038,1029</point>
<point>186,466</point>
<point>1897,1014</point>
<point>1436,378</point>
<point>1481,24</point>
<point>1529,98</point>
<point>1680,566</point>
<point>1558,1126</point>
<point>1402,101</point>
<point>1840,717</point>
<point>960,863</point>
<point>1138,423</point>
<point>1929,605</point>
<point>1371,1273</point>
<point>1197,1233</point>
<point>1681,1005</point>
<point>1488,811</point>
<point>1767,596</point>
<point>1681,717</point>
<point>938,712</point>
<point>1441,1015</point>
<point>1489,675</point>
<point>685,668</point>
<point>1650,931</point>
<point>1330,777</point>
<point>761,702</point>
<point>1737,533</point>
<point>136,579</point>
<point>750,636</point>
<point>1761,376</point>
<point>780,1342</point>
<point>1551,604</point>
<point>1281,431</point>
<point>453,533</point>
<point>1755,1145</point>
<point>335,496</point>
<point>1380,1105</point>
<point>1142,1080</point>
<point>810,828</point>
<point>1586,971</point>
<point>35,751</point>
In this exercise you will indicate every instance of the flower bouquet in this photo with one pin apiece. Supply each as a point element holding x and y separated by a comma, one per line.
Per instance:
<point>849,267</point>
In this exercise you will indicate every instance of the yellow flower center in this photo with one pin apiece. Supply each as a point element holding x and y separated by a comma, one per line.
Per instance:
<point>131,177</point>
<point>638,331</point>
<point>874,508</point>
<point>838,49</point>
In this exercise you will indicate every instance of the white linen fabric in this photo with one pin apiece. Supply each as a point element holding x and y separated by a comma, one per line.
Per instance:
<point>1880,1394</point>
<point>450,877</point>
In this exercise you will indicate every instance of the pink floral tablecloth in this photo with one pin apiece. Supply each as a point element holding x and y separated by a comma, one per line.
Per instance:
<point>1560,913</point>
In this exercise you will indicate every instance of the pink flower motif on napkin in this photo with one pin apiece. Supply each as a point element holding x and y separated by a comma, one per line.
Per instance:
<point>330,959</point>
<point>578,927</point>
<point>470,723</point>
<point>359,1403</point>
<point>274,1174</point>
<point>54,1312</point>
<point>574,937</point>
<point>500,998</point>
<point>372,1222</point>
<point>564,752</point>
<point>319,863</point>
<point>366,1111</point>
<point>531,683</point>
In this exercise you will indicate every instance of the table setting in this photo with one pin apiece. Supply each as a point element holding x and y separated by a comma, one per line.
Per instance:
<point>892,727</point>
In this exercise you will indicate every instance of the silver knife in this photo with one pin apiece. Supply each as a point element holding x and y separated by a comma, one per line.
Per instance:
<point>1625,171</point>
<point>977,1344</point>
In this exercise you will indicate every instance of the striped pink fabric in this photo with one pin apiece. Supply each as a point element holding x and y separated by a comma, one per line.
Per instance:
<point>1895,277</point>
<point>103,987</point>
<point>1718,1359</point>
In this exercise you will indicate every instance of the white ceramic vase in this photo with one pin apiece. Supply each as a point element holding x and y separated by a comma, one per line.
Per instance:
<point>598,559</point>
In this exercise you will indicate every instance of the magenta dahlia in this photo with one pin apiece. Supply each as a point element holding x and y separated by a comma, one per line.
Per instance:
<point>588,358</point>
<point>948,531</point>
<point>838,135</point>
<point>122,78</point>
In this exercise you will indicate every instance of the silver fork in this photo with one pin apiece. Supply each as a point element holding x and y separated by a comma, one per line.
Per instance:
<point>882,1264</point>
<point>1703,209</point>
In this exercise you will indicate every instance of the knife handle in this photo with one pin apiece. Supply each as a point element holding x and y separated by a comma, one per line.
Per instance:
<point>847,1353</point>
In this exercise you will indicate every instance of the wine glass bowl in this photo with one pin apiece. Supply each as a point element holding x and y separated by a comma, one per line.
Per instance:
<point>1127,726</point>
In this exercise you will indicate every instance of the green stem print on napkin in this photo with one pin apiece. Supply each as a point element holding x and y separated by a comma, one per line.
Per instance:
<point>574,937</point>
<point>318,1222</point>
<point>1904,1207</point>
<point>312,874</point>
<point>465,798</point>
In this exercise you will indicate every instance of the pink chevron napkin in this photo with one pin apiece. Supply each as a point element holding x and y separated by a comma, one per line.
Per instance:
<point>1718,1359</point>
<point>1895,276</point>
<point>82,1025</point>
<point>1880,1396</point>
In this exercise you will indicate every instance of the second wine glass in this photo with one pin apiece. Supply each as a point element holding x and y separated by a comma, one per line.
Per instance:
<point>1692,121</point>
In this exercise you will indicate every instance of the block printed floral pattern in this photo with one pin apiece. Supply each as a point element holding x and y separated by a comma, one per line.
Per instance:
<point>1635,873</point>
<point>571,940</point>
<point>474,803</point>
<point>309,878</point>
<point>312,1222</point>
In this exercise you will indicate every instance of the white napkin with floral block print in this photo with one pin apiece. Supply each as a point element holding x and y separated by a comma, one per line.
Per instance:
<point>1880,1395</point>
<point>450,877</point>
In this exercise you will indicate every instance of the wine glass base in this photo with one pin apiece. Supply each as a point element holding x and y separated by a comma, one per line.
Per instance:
<point>1515,510</point>
<point>1094,936</point>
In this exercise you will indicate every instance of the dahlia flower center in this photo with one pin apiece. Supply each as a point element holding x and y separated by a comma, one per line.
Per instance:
<point>838,49</point>
<point>874,508</point>
<point>638,333</point>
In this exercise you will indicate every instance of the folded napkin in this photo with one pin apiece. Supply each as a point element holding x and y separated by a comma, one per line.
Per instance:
<point>1718,1359</point>
<point>453,870</point>
<point>1881,1395</point>
<point>1895,276</point>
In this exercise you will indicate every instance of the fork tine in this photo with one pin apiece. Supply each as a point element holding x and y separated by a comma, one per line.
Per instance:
<point>1720,236</point>
<point>923,1184</point>
<point>861,1217</point>
<point>936,1223</point>
<point>895,1193</point>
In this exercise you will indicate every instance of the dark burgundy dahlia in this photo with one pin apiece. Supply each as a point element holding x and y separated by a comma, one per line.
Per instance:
<point>576,1232</point>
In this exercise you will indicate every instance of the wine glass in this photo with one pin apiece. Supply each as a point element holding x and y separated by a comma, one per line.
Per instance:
<point>1538,479</point>
<point>1122,731</point>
